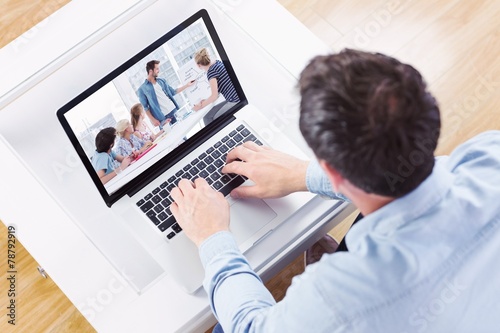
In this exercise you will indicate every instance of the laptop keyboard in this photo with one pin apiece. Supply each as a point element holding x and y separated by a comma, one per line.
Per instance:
<point>208,165</point>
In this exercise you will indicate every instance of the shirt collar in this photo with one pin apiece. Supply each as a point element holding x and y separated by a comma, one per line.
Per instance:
<point>408,207</point>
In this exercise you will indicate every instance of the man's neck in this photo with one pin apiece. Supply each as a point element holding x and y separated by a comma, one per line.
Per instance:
<point>366,202</point>
<point>151,79</point>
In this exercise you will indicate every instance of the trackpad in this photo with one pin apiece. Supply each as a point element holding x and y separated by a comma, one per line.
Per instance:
<point>249,216</point>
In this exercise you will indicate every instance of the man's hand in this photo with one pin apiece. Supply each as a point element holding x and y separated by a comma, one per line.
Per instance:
<point>200,210</point>
<point>274,173</point>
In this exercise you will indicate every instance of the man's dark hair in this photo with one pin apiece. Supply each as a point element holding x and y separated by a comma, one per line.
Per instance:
<point>105,139</point>
<point>371,118</point>
<point>150,66</point>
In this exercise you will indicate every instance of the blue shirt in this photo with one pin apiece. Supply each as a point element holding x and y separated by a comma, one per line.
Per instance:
<point>149,101</point>
<point>224,84</point>
<point>426,262</point>
<point>104,161</point>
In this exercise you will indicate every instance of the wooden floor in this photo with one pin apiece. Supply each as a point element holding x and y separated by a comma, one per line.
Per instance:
<point>454,43</point>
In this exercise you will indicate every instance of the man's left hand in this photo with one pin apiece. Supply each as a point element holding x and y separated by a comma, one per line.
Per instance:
<point>199,209</point>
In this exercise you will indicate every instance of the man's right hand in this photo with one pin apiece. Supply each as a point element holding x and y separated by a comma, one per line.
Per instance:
<point>274,173</point>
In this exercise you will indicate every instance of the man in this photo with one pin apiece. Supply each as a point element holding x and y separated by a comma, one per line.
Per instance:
<point>157,97</point>
<point>424,257</point>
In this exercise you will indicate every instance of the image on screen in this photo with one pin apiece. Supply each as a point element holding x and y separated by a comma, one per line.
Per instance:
<point>153,106</point>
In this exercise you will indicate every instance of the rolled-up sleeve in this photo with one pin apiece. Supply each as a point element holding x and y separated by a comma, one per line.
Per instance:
<point>317,182</point>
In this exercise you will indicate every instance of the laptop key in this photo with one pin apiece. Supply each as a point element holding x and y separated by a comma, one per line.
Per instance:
<point>224,139</point>
<point>217,144</point>
<point>204,174</point>
<point>218,163</point>
<point>211,168</point>
<point>147,206</point>
<point>194,171</point>
<point>171,235</point>
<point>223,149</point>
<point>201,165</point>
<point>208,160</point>
<point>202,156</point>
<point>152,216</point>
<point>156,199</point>
<point>216,154</point>
<point>163,193</point>
<point>166,202</point>
<point>158,208</point>
<point>187,167</point>
<point>171,179</point>
<point>233,133</point>
<point>245,132</point>
<point>231,185</point>
<point>148,196</point>
<point>238,137</point>
<point>225,179</point>
<point>179,173</point>
<point>164,184</point>
<point>177,228</point>
<point>239,128</point>
<point>210,150</point>
<point>230,143</point>
<point>162,216</point>
<point>217,185</point>
<point>195,161</point>
<point>156,190</point>
<point>140,202</point>
<point>168,222</point>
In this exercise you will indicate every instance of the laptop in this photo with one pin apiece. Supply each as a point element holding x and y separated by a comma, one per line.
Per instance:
<point>191,144</point>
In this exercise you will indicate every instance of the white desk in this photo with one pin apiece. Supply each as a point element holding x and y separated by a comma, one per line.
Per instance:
<point>57,229</point>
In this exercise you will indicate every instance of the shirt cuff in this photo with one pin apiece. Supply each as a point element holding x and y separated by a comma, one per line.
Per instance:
<point>218,243</point>
<point>317,182</point>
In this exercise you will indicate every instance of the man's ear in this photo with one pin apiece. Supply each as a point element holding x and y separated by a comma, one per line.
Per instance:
<point>335,178</point>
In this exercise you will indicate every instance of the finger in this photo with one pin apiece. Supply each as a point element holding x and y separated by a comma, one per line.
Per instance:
<point>237,167</point>
<point>241,152</point>
<point>200,183</point>
<point>186,186</point>
<point>174,208</point>
<point>176,195</point>
<point>252,146</point>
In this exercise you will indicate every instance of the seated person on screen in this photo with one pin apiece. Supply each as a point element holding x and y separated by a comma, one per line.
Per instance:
<point>220,83</point>
<point>105,161</point>
<point>141,130</point>
<point>129,144</point>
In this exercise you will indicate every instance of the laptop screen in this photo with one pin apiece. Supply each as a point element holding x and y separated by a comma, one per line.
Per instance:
<point>145,114</point>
